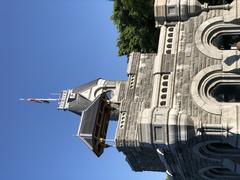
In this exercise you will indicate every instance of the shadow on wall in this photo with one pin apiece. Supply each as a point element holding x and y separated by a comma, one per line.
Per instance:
<point>231,59</point>
<point>216,156</point>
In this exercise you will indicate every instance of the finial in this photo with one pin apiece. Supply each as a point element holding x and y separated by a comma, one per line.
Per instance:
<point>206,7</point>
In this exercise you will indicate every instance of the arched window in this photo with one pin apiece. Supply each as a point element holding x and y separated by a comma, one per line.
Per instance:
<point>220,173</point>
<point>224,149</point>
<point>219,150</point>
<point>214,90</point>
<point>214,36</point>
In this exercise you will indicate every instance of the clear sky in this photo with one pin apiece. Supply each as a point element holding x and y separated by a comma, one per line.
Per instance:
<point>47,46</point>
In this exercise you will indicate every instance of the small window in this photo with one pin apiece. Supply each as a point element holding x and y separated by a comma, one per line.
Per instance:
<point>172,10</point>
<point>164,90</point>
<point>170,34</point>
<point>168,51</point>
<point>165,83</point>
<point>163,103</point>
<point>169,46</point>
<point>165,77</point>
<point>164,96</point>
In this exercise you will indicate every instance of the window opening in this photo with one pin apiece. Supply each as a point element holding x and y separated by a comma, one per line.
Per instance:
<point>216,2</point>
<point>226,41</point>
<point>226,92</point>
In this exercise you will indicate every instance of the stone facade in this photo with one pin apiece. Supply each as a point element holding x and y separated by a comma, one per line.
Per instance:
<point>179,110</point>
<point>174,116</point>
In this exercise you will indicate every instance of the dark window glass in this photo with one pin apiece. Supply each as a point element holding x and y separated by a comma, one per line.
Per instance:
<point>226,42</point>
<point>226,93</point>
<point>216,2</point>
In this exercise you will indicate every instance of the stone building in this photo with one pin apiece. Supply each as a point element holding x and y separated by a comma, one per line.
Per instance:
<point>179,110</point>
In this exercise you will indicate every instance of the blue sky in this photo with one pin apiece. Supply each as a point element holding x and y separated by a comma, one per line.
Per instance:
<point>47,46</point>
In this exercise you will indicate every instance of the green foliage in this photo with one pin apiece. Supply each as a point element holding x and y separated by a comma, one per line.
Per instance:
<point>167,178</point>
<point>136,25</point>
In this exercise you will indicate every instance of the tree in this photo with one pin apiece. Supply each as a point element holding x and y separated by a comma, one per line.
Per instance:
<point>136,25</point>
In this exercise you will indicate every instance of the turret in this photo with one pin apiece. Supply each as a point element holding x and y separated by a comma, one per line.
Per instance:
<point>97,103</point>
